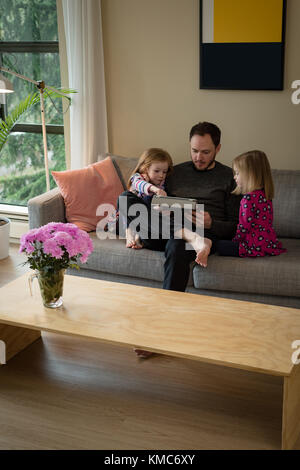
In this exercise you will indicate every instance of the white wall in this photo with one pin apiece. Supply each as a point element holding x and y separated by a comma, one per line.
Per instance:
<point>153,97</point>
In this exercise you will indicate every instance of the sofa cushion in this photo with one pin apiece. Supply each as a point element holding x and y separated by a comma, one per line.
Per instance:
<point>286,203</point>
<point>112,256</point>
<point>85,189</point>
<point>124,166</point>
<point>270,275</point>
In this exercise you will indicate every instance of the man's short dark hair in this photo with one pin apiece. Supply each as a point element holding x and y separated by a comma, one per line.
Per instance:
<point>203,128</point>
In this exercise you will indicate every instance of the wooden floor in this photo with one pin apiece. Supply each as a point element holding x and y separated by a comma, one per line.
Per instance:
<point>66,393</point>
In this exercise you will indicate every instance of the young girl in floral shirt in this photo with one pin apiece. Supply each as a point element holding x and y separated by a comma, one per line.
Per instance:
<point>255,235</point>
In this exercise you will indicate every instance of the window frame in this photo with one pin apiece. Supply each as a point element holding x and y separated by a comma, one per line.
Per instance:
<point>33,47</point>
<point>41,47</point>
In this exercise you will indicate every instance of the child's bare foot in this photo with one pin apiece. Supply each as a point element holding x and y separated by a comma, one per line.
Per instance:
<point>133,240</point>
<point>201,245</point>
<point>203,252</point>
<point>129,238</point>
<point>138,244</point>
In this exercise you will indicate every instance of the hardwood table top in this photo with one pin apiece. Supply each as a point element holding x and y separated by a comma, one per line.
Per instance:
<point>227,332</point>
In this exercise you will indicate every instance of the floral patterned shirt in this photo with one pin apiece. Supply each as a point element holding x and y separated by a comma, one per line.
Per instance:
<point>255,233</point>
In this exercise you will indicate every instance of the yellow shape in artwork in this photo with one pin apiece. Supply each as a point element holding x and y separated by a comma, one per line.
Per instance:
<point>248,20</point>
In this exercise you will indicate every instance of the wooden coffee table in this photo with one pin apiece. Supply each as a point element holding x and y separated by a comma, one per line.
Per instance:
<point>230,333</point>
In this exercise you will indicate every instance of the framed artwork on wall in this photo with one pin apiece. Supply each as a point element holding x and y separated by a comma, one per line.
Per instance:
<point>242,44</point>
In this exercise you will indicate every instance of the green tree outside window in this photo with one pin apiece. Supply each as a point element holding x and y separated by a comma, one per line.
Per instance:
<point>29,46</point>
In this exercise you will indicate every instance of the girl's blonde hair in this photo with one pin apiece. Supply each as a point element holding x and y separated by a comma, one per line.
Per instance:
<point>255,169</point>
<point>148,157</point>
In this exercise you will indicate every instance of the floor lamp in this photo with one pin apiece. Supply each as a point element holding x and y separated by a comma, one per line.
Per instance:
<point>7,87</point>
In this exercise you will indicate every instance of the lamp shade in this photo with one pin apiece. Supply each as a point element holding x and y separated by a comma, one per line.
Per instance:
<point>5,85</point>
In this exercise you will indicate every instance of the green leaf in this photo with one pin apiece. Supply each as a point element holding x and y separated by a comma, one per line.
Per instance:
<point>31,100</point>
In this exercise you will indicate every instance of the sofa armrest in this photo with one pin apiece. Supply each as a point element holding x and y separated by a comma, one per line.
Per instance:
<point>48,207</point>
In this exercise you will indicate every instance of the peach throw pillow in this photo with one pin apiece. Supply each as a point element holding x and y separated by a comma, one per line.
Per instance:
<point>84,189</point>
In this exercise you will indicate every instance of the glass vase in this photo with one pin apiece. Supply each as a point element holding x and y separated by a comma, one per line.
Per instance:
<point>51,287</point>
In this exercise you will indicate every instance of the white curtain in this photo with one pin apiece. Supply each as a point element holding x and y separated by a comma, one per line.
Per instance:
<point>84,46</point>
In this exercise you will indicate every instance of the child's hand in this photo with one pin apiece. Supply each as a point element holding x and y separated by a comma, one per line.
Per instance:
<point>158,191</point>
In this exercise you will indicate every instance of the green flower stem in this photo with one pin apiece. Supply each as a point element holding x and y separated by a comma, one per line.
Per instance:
<point>51,285</point>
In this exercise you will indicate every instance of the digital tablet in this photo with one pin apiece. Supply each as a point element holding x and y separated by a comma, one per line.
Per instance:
<point>170,201</point>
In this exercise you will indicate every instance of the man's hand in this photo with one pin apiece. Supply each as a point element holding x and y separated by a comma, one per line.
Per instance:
<point>202,217</point>
<point>207,220</point>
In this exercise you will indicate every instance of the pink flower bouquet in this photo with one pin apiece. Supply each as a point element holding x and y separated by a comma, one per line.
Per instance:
<point>56,246</point>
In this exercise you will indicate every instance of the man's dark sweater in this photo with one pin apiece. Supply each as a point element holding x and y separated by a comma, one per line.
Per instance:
<point>213,189</point>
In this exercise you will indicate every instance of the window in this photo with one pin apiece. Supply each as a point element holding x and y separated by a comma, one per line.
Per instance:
<point>29,46</point>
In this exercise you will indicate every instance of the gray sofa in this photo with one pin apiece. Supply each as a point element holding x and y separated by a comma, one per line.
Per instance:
<point>272,280</point>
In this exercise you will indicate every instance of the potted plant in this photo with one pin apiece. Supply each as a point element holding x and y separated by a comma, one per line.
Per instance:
<point>4,236</point>
<point>50,250</point>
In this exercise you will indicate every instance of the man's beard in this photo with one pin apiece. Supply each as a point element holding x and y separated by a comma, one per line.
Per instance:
<point>207,165</point>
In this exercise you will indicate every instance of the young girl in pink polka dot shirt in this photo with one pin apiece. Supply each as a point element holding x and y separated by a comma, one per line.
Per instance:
<point>255,235</point>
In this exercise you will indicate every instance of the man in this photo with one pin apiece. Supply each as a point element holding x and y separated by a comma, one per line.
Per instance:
<point>211,183</point>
